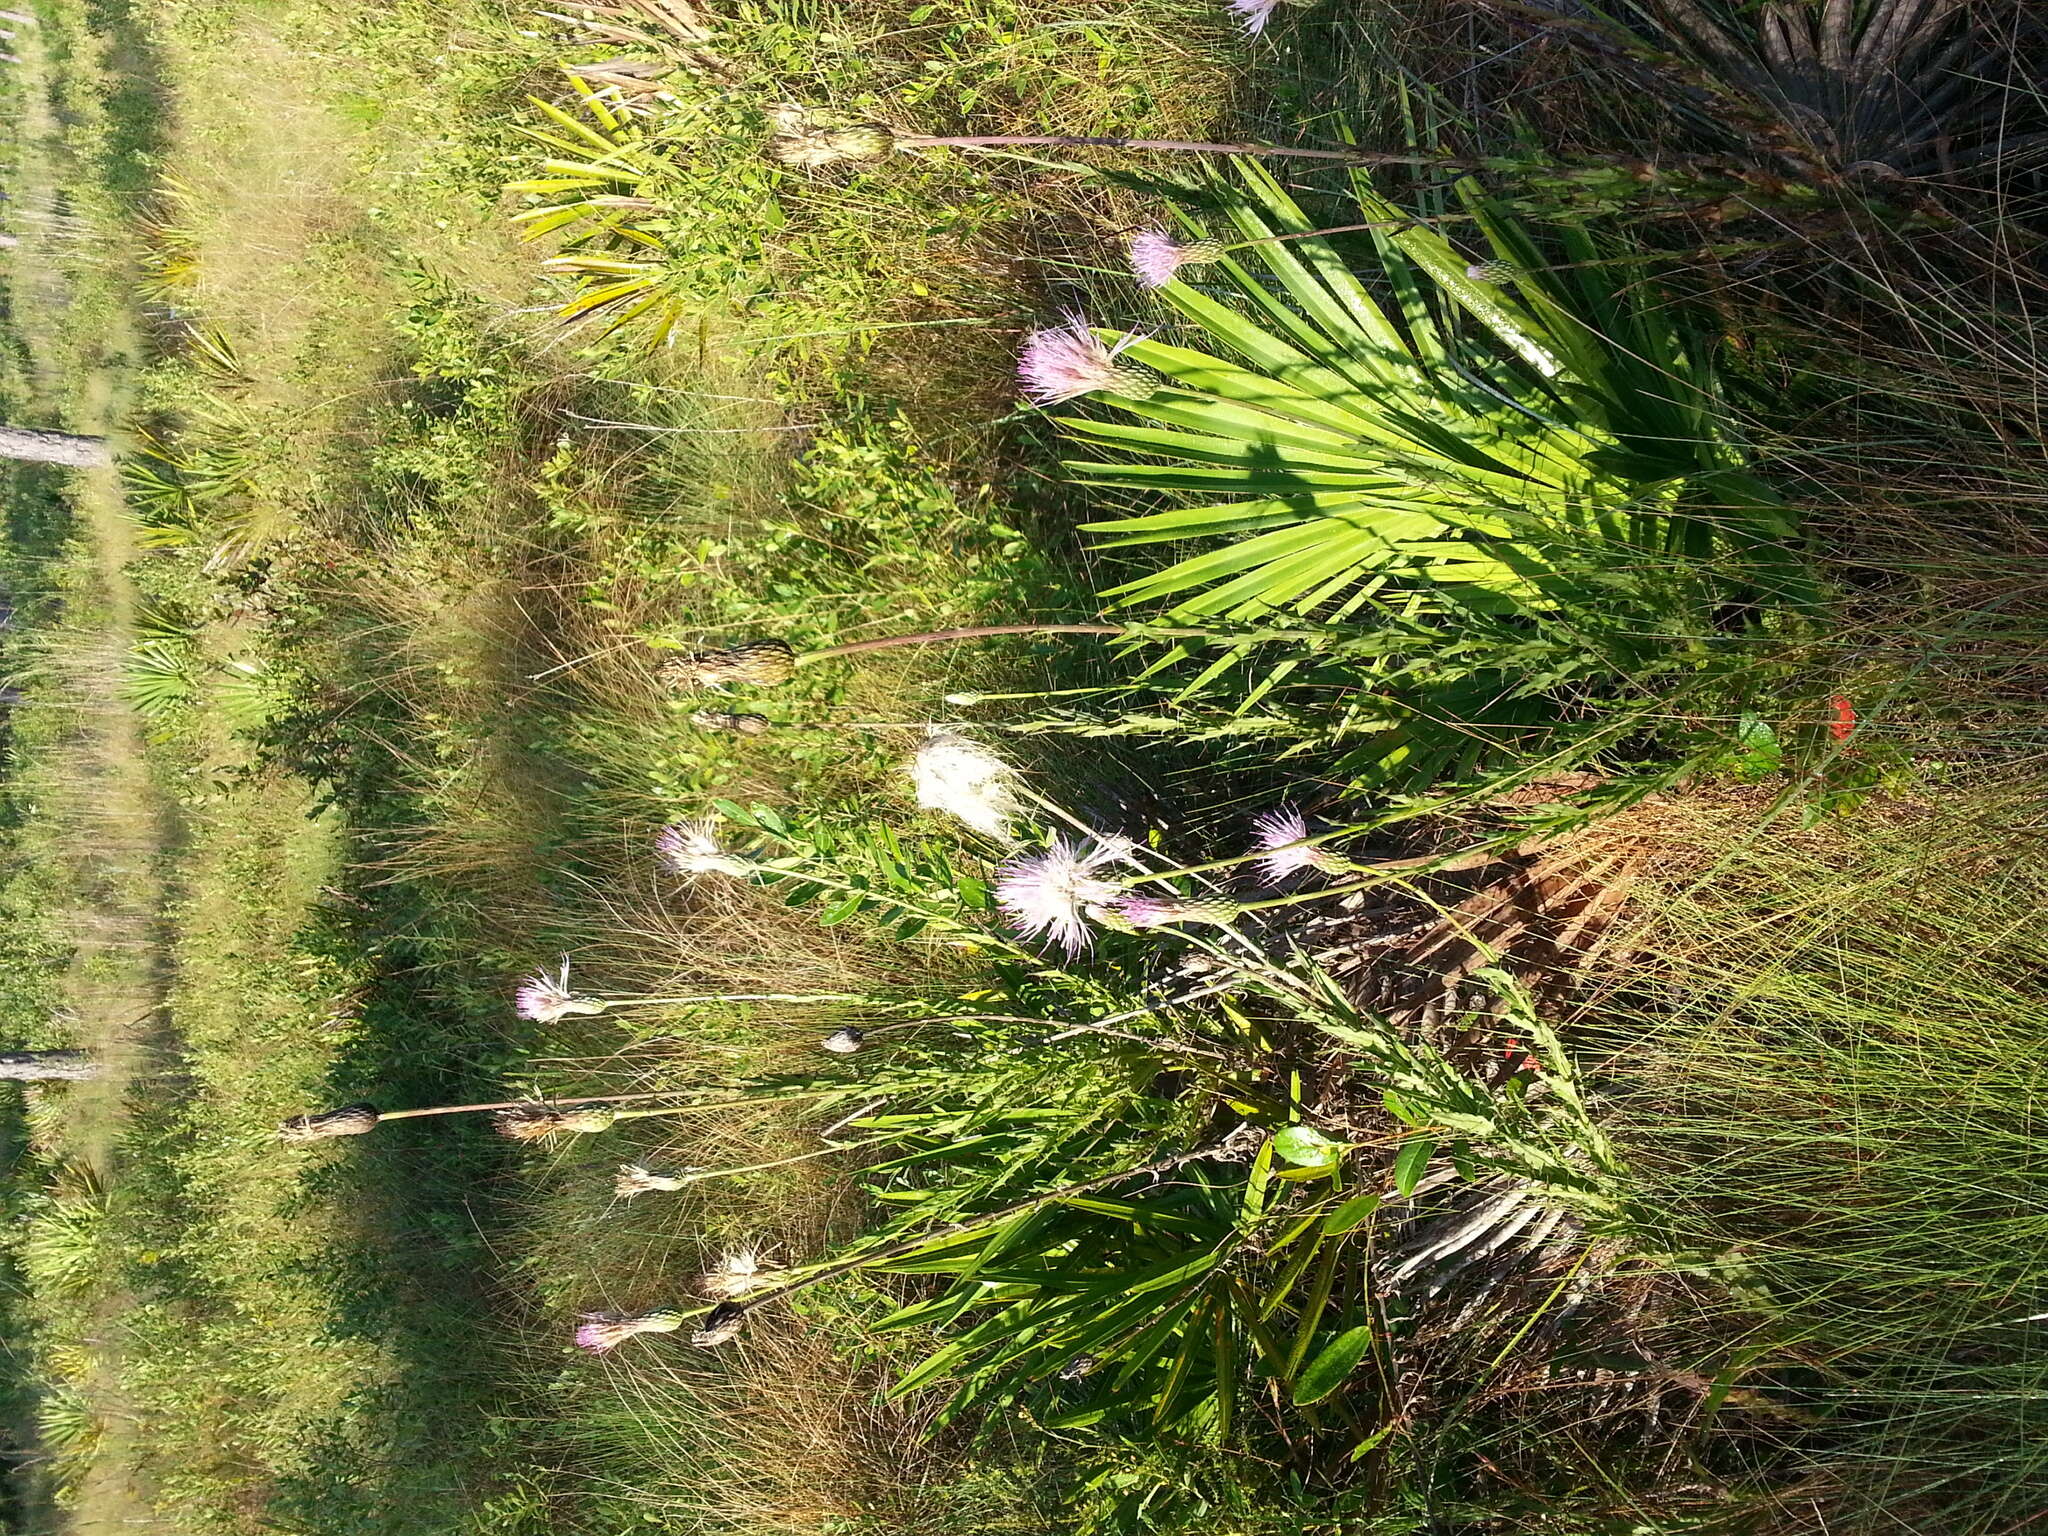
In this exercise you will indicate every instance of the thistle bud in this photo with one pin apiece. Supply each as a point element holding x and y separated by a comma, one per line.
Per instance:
<point>726,720</point>
<point>722,1326</point>
<point>349,1120</point>
<point>602,1332</point>
<point>762,663</point>
<point>844,1042</point>
<point>1164,911</point>
<point>1156,257</point>
<point>537,1122</point>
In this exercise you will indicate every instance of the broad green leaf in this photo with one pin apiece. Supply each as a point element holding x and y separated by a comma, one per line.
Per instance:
<point>1332,1366</point>
<point>1409,1164</point>
<point>1305,1147</point>
<point>1350,1214</point>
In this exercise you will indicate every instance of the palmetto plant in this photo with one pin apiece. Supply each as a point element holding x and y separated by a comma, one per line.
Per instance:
<point>1857,88</point>
<point>1510,486</point>
<point>610,181</point>
<point>160,676</point>
<point>1471,444</point>
<point>196,486</point>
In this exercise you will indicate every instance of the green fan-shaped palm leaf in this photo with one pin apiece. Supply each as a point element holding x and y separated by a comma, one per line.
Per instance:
<point>1457,443</point>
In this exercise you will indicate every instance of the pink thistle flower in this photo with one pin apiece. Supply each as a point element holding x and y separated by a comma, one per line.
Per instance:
<point>1156,257</point>
<point>1054,892</point>
<point>544,998</point>
<point>1253,15</point>
<point>1066,361</point>
<point>1280,836</point>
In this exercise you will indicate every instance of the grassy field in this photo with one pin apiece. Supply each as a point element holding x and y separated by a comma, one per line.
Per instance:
<point>1667,1164</point>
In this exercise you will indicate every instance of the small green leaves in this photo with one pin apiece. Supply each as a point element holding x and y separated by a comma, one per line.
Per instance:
<point>1758,750</point>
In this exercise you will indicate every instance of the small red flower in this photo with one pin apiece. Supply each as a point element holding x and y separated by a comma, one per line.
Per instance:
<point>1841,717</point>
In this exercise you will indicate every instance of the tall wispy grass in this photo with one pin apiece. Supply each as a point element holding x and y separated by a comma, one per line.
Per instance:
<point>1831,1052</point>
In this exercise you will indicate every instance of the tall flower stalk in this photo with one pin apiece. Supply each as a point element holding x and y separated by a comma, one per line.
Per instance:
<point>577,1114</point>
<point>805,139</point>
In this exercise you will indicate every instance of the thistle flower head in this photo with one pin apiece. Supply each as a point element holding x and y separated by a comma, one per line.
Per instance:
<point>1055,891</point>
<point>691,848</point>
<point>737,1272</point>
<point>634,1180</point>
<point>1164,911</point>
<point>800,138</point>
<point>727,720</point>
<point>602,1332</point>
<point>762,663</point>
<point>722,1326</point>
<point>1279,836</point>
<point>349,1120</point>
<point>1066,361</point>
<point>1156,257</point>
<point>1253,15</point>
<point>537,1122</point>
<point>544,998</point>
<point>966,781</point>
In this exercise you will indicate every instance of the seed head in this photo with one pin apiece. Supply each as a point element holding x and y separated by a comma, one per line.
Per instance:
<point>801,139</point>
<point>1156,257</point>
<point>1280,834</point>
<point>605,1331</point>
<point>736,1273</point>
<point>844,1042</point>
<point>1165,911</point>
<point>349,1120</point>
<point>544,998</point>
<point>691,848</point>
<point>634,1181</point>
<point>722,1326</point>
<point>537,1122</point>
<point>966,781</point>
<point>1056,891</point>
<point>1066,361</point>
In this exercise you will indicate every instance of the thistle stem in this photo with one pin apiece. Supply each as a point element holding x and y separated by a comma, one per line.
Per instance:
<point>1472,858</point>
<point>1175,146</point>
<point>982,631</point>
<point>737,997</point>
<point>1345,229</point>
<point>609,1098</point>
<point>1392,872</point>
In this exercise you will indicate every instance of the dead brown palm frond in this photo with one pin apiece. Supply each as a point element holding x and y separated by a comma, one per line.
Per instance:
<point>1541,913</point>
<point>677,30</point>
<point>1869,91</point>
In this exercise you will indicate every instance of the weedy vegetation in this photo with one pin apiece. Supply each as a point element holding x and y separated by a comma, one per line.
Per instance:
<point>1113,768</point>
